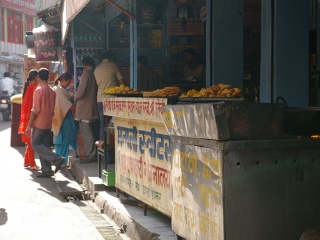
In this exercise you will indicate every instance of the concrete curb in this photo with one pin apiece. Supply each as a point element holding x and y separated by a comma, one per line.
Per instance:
<point>124,216</point>
<point>91,184</point>
<point>114,209</point>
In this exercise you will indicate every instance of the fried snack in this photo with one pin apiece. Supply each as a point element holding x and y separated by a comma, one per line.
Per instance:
<point>192,92</point>
<point>236,92</point>
<point>122,89</point>
<point>220,90</point>
<point>215,88</point>
<point>164,92</point>
<point>223,86</point>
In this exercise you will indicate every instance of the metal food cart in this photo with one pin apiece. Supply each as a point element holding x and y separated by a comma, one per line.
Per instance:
<point>236,175</point>
<point>222,170</point>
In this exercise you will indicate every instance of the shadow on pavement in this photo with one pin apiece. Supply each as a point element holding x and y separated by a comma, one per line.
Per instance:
<point>56,188</point>
<point>3,124</point>
<point>21,150</point>
<point>3,216</point>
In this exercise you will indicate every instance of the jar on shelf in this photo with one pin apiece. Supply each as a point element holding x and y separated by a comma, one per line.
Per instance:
<point>80,40</point>
<point>85,40</point>
<point>76,40</point>
<point>147,15</point>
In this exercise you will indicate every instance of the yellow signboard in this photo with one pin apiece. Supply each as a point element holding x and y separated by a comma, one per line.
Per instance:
<point>143,162</point>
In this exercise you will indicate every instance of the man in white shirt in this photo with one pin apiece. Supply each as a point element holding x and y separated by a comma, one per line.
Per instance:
<point>8,84</point>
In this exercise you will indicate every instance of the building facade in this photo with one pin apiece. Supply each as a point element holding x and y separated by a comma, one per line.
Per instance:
<point>16,18</point>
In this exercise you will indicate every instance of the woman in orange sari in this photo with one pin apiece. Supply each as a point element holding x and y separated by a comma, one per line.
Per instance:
<point>27,100</point>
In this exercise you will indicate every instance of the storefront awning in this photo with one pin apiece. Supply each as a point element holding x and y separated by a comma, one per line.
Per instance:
<point>70,9</point>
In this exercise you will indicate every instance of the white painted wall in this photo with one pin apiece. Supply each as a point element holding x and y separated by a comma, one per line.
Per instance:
<point>12,48</point>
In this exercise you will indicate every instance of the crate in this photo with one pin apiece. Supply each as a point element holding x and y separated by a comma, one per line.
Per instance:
<point>108,177</point>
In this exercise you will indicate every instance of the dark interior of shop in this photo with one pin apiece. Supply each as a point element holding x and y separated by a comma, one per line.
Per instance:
<point>162,43</point>
<point>251,48</point>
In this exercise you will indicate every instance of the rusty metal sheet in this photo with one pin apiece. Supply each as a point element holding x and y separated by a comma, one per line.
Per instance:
<point>197,202</point>
<point>206,121</point>
<point>268,188</point>
<point>225,120</point>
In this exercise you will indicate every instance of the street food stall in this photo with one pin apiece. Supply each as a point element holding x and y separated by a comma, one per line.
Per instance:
<point>142,144</point>
<point>201,157</point>
<point>220,169</point>
<point>239,175</point>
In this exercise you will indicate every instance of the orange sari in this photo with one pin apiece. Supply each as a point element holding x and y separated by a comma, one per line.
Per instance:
<point>26,107</point>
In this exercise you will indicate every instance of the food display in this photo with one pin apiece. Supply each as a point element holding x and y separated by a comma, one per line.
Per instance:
<point>122,89</point>
<point>219,90</point>
<point>164,92</point>
<point>216,91</point>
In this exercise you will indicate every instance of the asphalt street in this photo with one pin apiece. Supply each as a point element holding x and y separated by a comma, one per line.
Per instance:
<point>31,207</point>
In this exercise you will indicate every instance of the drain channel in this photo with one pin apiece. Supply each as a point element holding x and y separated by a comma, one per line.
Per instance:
<point>71,191</point>
<point>104,227</point>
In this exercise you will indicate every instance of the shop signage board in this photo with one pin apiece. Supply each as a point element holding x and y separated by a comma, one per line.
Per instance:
<point>197,192</point>
<point>45,43</point>
<point>146,109</point>
<point>143,162</point>
<point>142,149</point>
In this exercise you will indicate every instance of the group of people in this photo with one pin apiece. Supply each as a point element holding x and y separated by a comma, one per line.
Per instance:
<point>37,111</point>
<point>47,117</point>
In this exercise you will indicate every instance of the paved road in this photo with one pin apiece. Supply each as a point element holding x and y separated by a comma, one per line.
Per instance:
<point>32,208</point>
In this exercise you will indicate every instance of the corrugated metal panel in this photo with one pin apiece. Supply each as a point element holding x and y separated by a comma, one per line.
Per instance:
<point>112,12</point>
<point>97,3</point>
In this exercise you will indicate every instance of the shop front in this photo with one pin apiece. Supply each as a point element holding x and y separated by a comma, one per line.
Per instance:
<point>247,45</point>
<point>218,166</point>
<point>219,169</point>
<point>158,30</point>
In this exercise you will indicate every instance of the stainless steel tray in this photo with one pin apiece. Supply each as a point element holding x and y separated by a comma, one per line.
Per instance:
<point>210,99</point>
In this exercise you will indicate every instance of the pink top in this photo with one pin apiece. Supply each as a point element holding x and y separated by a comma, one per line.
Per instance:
<point>43,106</point>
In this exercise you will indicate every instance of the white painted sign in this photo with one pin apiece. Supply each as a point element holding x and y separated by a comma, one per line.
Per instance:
<point>143,162</point>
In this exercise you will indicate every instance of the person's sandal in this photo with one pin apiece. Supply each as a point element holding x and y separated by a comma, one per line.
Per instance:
<point>26,165</point>
<point>36,168</point>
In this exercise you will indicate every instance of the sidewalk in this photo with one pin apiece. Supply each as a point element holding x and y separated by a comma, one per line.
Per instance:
<point>126,211</point>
